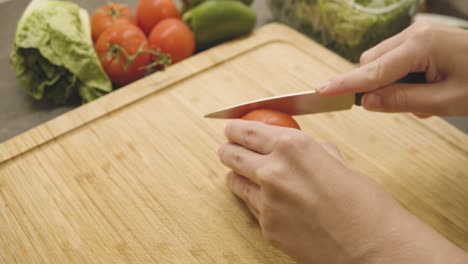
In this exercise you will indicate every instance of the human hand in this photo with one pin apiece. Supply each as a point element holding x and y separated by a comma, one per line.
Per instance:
<point>440,51</point>
<point>317,210</point>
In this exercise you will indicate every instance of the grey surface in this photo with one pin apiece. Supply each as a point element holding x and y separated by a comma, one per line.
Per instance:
<point>18,112</point>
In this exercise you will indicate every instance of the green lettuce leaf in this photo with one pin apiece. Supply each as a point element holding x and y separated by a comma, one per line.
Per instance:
<point>53,55</point>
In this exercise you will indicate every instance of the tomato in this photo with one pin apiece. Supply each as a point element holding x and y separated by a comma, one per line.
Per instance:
<point>108,15</point>
<point>151,12</point>
<point>272,117</point>
<point>173,37</point>
<point>121,50</point>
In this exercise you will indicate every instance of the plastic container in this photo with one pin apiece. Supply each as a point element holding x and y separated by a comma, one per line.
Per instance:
<point>349,27</point>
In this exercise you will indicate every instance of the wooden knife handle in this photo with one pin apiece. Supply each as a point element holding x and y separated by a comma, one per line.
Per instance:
<point>415,77</point>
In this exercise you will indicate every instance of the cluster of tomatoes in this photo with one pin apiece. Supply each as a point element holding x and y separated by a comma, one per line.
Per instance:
<point>130,46</point>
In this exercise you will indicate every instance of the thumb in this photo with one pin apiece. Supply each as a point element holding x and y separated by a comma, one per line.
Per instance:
<point>415,98</point>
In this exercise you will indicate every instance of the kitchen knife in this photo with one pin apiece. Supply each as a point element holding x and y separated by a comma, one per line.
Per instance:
<point>304,103</point>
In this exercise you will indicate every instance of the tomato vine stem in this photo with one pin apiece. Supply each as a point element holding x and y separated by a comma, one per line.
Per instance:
<point>163,59</point>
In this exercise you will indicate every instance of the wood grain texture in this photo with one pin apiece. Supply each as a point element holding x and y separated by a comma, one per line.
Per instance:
<point>134,178</point>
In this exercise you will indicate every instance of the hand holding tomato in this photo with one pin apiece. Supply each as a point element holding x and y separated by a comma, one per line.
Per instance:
<point>108,15</point>
<point>315,208</point>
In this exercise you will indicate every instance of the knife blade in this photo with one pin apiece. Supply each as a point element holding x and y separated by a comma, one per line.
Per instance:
<point>303,103</point>
<point>293,104</point>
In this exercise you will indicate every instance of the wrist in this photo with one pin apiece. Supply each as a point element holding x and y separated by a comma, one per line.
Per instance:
<point>409,240</point>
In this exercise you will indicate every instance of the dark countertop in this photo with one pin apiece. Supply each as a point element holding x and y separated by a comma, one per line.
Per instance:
<point>18,112</point>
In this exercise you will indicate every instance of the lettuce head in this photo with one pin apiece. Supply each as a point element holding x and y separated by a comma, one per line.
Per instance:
<point>53,54</point>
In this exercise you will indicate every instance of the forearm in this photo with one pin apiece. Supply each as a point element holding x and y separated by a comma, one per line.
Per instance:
<point>412,241</point>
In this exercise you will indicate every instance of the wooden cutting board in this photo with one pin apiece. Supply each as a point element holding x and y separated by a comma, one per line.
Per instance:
<point>134,177</point>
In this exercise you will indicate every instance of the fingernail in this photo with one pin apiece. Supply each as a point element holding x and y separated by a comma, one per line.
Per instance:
<point>373,101</point>
<point>324,86</point>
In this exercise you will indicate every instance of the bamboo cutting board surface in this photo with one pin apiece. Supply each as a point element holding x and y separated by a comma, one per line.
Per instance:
<point>134,177</point>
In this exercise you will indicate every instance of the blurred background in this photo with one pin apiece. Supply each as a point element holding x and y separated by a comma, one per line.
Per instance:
<point>18,112</point>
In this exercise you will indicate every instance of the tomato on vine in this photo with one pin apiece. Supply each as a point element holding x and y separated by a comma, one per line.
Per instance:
<point>108,15</point>
<point>122,50</point>
<point>173,37</point>
<point>151,12</point>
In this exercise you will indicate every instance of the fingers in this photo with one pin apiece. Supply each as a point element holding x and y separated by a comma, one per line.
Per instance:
<point>241,160</point>
<point>255,136</point>
<point>384,47</point>
<point>383,71</point>
<point>416,98</point>
<point>245,189</point>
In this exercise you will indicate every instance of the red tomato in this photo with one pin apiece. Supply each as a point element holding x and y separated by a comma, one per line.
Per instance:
<point>173,37</point>
<point>121,50</point>
<point>272,117</point>
<point>108,15</point>
<point>151,12</point>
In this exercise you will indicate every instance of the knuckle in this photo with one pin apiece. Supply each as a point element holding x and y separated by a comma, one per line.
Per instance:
<point>340,81</point>
<point>291,141</point>
<point>264,174</point>
<point>230,156</point>
<point>270,176</point>
<point>424,32</point>
<point>375,73</point>
<point>285,141</point>
<point>248,136</point>
<point>398,100</point>
<point>237,159</point>
<point>365,58</point>
<point>423,25</point>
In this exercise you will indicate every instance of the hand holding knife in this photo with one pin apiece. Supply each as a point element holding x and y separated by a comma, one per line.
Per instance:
<point>304,103</point>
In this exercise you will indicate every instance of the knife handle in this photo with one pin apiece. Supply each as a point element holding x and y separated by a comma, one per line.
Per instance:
<point>358,99</point>
<point>414,77</point>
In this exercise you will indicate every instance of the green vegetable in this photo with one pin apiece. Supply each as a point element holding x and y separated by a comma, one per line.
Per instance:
<point>53,54</point>
<point>217,21</point>
<point>189,4</point>
<point>347,26</point>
